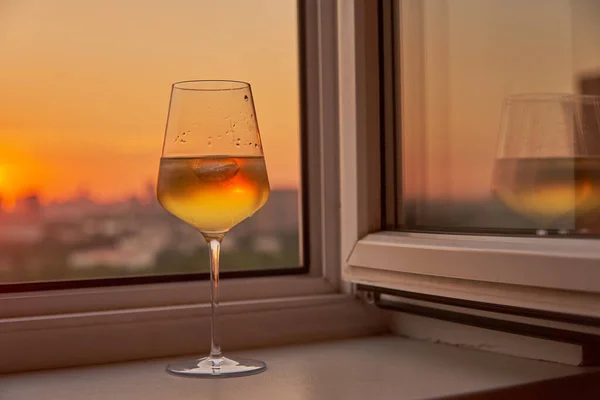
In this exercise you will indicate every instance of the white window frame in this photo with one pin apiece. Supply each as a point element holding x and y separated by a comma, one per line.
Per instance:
<point>59,328</point>
<point>553,275</point>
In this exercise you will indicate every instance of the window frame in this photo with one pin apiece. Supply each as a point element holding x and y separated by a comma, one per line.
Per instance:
<point>70,327</point>
<point>496,270</point>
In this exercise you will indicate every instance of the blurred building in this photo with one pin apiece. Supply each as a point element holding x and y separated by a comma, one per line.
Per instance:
<point>590,114</point>
<point>24,224</point>
<point>281,214</point>
<point>29,206</point>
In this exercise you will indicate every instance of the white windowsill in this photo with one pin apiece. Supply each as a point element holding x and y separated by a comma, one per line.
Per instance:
<point>369,368</point>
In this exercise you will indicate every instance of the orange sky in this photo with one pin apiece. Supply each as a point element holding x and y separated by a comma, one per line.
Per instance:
<point>85,86</point>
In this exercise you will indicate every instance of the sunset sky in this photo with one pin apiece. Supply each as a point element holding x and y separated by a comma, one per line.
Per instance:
<point>85,86</point>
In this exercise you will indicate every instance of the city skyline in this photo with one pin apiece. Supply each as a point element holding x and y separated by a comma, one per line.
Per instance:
<point>83,239</point>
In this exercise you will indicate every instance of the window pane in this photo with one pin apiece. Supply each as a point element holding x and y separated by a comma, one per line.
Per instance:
<point>461,60</point>
<point>85,93</point>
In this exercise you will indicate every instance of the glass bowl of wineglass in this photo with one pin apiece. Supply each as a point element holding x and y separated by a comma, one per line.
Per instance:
<point>547,166</point>
<point>212,176</point>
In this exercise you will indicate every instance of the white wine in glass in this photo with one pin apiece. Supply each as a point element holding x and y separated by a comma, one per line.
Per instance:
<point>213,194</point>
<point>548,164</point>
<point>213,176</point>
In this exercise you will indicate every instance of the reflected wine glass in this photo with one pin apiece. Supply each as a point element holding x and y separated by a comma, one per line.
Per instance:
<point>547,167</point>
<point>213,176</point>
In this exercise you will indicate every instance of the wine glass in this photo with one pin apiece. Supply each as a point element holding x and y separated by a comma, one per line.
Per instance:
<point>547,167</point>
<point>213,176</point>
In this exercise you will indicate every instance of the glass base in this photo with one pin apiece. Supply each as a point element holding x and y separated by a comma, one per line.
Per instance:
<point>222,367</point>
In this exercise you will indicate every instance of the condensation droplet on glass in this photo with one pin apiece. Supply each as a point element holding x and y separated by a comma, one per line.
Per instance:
<point>246,97</point>
<point>219,137</point>
<point>256,145</point>
<point>233,125</point>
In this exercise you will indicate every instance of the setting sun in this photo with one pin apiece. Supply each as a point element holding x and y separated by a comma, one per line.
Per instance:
<point>6,195</point>
<point>5,180</point>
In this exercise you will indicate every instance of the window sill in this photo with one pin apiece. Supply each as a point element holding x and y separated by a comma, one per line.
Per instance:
<point>376,367</point>
<point>87,338</point>
<point>68,301</point>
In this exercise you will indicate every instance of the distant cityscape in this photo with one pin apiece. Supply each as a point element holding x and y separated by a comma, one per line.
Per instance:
<point>81,238</point>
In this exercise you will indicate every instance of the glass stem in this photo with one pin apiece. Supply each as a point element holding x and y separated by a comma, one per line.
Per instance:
<point>214,246</point>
